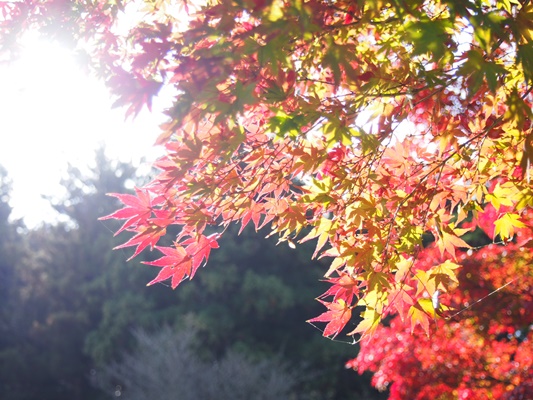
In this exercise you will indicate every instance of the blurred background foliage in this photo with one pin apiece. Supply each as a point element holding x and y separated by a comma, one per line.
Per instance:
<point>70,305</point>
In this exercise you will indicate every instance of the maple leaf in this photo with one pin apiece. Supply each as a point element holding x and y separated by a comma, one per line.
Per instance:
<point>176,264</point>
<point>253,213</point>
<point>343,287</point>
<point>443,274</point>
<point>368,324</point>
<point>199,249</point>
<point>448,240</point>
<point>138,209</point>
<point>420,313</point>
<point>146,236</point>
<point>134,91</point>
<point>322,232</point>
<point>502,195</point>
<point>402,300</point>
<point>337,317</point>
<point>424,282</point>
<point>506,225</point>
<point>283,118</point>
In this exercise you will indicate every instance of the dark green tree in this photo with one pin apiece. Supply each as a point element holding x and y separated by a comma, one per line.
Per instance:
<point>236,303</point>
<point>61,281</point>
<point>78,302</point>
<point>10,317</point>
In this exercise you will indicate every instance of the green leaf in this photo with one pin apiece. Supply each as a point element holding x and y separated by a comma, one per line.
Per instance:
<point>286,125</point>
<point>244,95</point>
<point>272,54</point>
<point>518,111</point>
<point>428,37</point>
<point>524,56</point>
<point>276,11</point>
<point>331,60</point>
<point>477,69</point>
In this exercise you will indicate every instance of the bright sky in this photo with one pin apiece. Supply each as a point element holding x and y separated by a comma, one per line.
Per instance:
<point>52,114</point>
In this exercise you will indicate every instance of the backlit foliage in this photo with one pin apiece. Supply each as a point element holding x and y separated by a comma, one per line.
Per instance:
<point>371,127</point>
<point>480,349</point>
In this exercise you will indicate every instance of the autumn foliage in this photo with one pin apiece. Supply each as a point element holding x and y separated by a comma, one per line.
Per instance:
<point>375,129</point>
<point>480,348</point>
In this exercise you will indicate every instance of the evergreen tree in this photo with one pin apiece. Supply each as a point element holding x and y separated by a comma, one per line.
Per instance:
<point>78,302</point>
<point>10,316</point>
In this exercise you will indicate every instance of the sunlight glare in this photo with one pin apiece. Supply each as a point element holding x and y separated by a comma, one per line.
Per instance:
<point>54,114</point>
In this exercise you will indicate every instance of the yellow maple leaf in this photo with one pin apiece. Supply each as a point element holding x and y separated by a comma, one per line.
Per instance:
<point>505,225</point>
<point>420,313</point>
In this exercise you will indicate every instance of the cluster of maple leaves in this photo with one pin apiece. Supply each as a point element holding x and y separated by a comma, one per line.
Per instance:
<point>480,345</point>
<point>370,127</point>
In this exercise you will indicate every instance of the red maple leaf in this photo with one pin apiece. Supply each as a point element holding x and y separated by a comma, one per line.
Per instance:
<point>146,237</point>
<point>337,317</point>
<point>199,249</point>
<point>343,287</point>
<point>138,209</point>
<point>175,263</point>
<point>133,90</point>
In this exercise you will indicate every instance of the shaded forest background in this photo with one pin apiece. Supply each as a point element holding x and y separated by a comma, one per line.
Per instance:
<point>72,309</point>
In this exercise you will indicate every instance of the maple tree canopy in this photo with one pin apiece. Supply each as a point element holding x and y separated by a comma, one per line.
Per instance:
<point>371,127</point>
